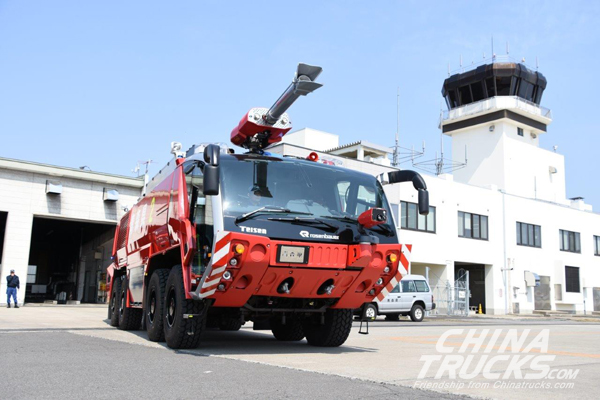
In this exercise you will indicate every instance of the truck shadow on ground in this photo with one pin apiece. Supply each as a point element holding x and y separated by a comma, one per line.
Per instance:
<point>248,342</point>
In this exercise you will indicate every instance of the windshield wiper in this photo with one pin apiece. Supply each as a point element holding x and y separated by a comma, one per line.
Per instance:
<point>268,209</point>
<point>307,221</point>
<point>344,218</point>
<point>385,228</point>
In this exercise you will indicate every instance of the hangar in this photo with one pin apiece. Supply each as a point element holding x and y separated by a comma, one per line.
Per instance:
<point>56,229</point>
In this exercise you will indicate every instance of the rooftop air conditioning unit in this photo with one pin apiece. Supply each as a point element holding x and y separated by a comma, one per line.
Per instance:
<point>53,187</point>
<point>110,195</point>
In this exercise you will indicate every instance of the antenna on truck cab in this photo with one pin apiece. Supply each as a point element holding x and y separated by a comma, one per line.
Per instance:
<point>261,127</point>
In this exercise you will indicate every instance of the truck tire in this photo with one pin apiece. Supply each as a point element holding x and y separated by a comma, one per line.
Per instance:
<point>417,313</point>
<point>155,305</point>
<point>392,317</point>
<point>230,323</point>
<point>292,331</point>
<point>369,312</point>
<point>180,332</point>
<point>333,332</point>
<point>113,304</point>
<point>130,319</point>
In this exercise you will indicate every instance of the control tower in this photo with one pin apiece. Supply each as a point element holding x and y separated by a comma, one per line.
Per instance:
<point>495,120</point>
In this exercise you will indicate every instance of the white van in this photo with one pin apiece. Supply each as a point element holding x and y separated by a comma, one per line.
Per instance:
<point>411,297</point>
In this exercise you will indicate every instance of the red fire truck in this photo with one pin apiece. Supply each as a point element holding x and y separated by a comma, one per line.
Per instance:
<point>219,239</point>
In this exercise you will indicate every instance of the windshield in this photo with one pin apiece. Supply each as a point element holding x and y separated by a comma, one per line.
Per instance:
<point>297,189</point>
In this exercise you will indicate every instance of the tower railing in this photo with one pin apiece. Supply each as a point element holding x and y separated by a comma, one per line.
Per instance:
<point>497,102</point>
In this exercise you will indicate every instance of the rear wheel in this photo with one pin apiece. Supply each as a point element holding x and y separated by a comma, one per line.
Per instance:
<point>227,323</point>
<point>129,318</point>
<point>291,331</point>
<point>113,304</point>
<point>155,305</point>
<point>333,332</point>
<point>417,313</point>
<point>180,332</point>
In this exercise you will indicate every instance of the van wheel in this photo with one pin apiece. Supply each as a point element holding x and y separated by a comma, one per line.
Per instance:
<point>155,305</point>
<point>130,318</point>
<point>333,332</point>
<point>113,304</point>
<point>370,312</point>
<point>392,317</point>
<point>180,332</point>
<point>417,313</point>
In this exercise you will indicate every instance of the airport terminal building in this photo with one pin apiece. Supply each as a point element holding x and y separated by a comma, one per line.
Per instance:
<point>501,223</point>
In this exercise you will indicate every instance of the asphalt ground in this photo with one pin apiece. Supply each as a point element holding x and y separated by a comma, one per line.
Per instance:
<point>57,352</point>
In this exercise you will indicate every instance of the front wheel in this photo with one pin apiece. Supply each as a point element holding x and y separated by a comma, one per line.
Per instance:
<point>417,313</point>
<point>333,332</point>
<point>180,332</point>
<point>370,312</point>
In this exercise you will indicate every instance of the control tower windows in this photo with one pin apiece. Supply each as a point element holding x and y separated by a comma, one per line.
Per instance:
<point>503,85</point>
<point>491,88</point>
<point>477,90</point>
<point>465,95</point>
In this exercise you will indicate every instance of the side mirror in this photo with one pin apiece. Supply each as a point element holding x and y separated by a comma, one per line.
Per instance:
<point>423,202</point>
<point>211,170</point>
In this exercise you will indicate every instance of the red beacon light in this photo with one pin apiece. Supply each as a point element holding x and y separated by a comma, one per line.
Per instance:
<point>313,157</point>
<point>261,127</point>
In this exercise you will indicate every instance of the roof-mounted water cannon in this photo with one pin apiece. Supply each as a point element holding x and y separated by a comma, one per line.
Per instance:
<point>261,127</point>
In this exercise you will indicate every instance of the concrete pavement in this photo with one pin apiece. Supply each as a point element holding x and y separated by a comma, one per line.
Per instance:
<point>390,356</point>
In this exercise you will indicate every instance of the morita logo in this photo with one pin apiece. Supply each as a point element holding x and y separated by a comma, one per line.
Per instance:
<point>307,234</point>
<point>249,229</point>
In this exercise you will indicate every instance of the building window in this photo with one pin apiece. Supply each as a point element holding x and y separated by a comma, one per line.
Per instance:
<point>411,219</point>
<point>520,131</point>
<point>572,279</point>
<point>529,235</point>
<point>472,226</point>
<point>597,245</point>
<point>570,241</point>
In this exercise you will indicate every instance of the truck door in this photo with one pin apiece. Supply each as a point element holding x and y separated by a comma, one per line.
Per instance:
<point>200,213</point>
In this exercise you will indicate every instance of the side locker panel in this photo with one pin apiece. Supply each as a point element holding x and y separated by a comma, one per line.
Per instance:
<point>136,283</point>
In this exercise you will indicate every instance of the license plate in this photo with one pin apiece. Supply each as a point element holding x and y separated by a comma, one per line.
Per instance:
<point>293,254</point>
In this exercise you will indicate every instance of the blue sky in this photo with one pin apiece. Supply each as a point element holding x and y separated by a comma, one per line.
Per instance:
<point>108,83</point>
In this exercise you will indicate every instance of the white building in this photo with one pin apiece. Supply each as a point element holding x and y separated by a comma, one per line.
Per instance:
<point>503,217</point>
<point>56,228</point>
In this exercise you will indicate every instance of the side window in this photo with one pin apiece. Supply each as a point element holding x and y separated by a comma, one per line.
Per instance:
<point>408,287</point>
<point>366,199</point>
<point>201,208</point>
<point>421,286</point>
<point>343,188</point>
<point>396,289</point>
